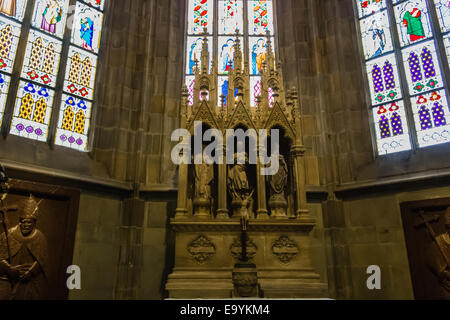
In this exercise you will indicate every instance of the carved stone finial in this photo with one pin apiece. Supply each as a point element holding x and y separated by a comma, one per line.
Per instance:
<point>237,53</point>
<point>205,56</point>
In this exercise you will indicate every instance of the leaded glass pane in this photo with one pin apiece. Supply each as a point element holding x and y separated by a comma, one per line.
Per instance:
<point>391,128</point>
<point>80,73</point>
<point>9,38</point>
<point>87,27</point>
<point>32,111</point>
<point>231,17</point>
<point>367,7</point>
<point>260,17</point>
<point>226,54</point>
<point>4,86</point>
<point>200,16</point>
<point>257,51</point>
<point>190,82</point>
<point>443,13</point>
<point>255,89</point>
<point>413,21</point>
<point>73,123</point>
<point>99,4</point>
<point>431,114</point>
<point>376,35</point>
<point>447,46</point>
<point>13,8</point>
<point>194,50</point>
<point>50,16</point>
<point>383,79</point>
<point>422,67</point>
<point>42,58</point>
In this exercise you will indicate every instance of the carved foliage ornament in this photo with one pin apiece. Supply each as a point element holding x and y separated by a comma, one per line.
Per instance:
<point>285,249</point>
<point>201,249</point>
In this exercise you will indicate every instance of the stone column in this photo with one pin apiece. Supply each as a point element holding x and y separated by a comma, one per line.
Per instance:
<point>181,211</point>
<point>298,155</point>
<point>261,212</point>
<point>222,210</point>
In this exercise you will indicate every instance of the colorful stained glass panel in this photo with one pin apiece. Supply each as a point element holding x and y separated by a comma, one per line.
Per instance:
<point>50,16</point>
<point>200,16</point>
<point>431,114</point>
<point>383,79</point>
<point>443,13</point>
<point>32,111</point>
<point>9,38</point>
<point>231,17</point>
<point>255,89</point>
<point>376,35</point>
<point>4,85</point>
<point>194,50</point>
<point>80,73</point>
<point>99,4</point>
<point>87,27</point>
<point>73,123</point>
<point>226,54</point>
<point>13,8</point>
<point>391,128</point>
<point>367,7</point>
<point>260,17</point>
<point>257,52</point>
<point>42,58</point>
<point>413,21</point>
<point>190,82</point>
<point>422,67</point>
<point>447,46</point>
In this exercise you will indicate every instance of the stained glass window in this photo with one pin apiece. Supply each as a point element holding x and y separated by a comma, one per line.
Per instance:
<point>76,105</point>
<point>406,83</point>
<point>35,105</point>
<point>225,20</point>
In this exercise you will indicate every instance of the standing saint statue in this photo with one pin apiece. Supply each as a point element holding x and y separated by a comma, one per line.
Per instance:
<point>204,177</point>
<point>23,258</point>
<point>278,182</point>
<point>8,7</point>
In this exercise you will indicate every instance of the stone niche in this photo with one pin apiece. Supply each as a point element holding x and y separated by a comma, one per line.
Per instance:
<point>220,205</point>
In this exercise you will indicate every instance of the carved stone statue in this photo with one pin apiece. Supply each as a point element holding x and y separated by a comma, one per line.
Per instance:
<point>240,190</point>
<point>23,258</point>
<point>204,178</point>
<point>438,257</point>
<point>277,185</point>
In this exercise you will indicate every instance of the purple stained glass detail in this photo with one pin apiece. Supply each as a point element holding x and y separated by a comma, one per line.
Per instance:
<point>439,115</point>
<point>38,132</point>
<point>427,63</point>
<point>29,129</point>
<point>396,123</point>
<point>388,72</point>
<point>71,140</point>
<point>425,118</point>
<point>79,142</point>
<point>20,127</point>
<point>63,138</point>
<point>384,127</point>
<point>414,67</point>
<point>377,79</point>
<point>191,93</point>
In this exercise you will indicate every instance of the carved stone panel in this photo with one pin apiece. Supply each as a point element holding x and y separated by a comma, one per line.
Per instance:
<point>285,249</point>
<point>201,249</point>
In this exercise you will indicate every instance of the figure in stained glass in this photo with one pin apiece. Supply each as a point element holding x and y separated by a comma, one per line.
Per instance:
<point>258,56</point>
<point>226,56</point>
<point>378,37</point>
<point>87,32</point>
<point>8,7</point>
<point>194,54</point>
<point>412,20</point>
<point>51,16</point>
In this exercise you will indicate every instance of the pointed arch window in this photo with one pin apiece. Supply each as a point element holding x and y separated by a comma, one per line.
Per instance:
<point>224,21</point>
<point>406,51</point>
<point>55,75</point>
